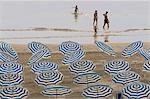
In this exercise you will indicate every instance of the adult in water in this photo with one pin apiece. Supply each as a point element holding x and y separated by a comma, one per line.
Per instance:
<point>106,21</point>
<point>76,9</point>
<point>95,20</point>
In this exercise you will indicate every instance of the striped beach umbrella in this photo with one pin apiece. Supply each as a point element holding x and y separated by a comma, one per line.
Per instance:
<point>5,47</point>
<point>97,91</point>
<point>145,53</point>
<point>147,65</point>
<point>50,77</point>
<point>71,57</point>
<point>82,66</point>
<point>132,48</point>
<point>126,77</point>
<point>11,67</point>
<point>56,91</point>
<point>86,78</point>
<point>10,79</point>
<point>38,56</point>
<point>13,92</point>
<point>105,48</point>
<point>35,47</point>
<point>43,67</point>
<point>136,90</point>
<point>69,46</point>
<point>4,57</point>
<point>116,66</point>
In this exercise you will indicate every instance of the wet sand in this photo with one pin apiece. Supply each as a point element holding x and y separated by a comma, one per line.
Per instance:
<point>92,53</point>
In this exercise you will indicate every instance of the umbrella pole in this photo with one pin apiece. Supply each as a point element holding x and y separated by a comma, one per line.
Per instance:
<point>87,80</point>
<point>56,93</point>
<point>97,93</point>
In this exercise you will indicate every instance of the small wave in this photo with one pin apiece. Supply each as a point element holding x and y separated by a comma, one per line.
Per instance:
<point>55,29</point>
<point>131,30</point>
<point>70,30</point>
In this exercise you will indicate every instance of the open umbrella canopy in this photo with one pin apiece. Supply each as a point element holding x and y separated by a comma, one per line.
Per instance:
<point>132,49</point>
<point>147,65</point>
<point>35,47</point>
<point>5,47</point>
<point>43,67</point>
<point>116,66</point>
<point>97,91</point>
<point>86,78</point>
<point>11,67</point>
<point>71,57</point>
<point>126,77</point>
<point>10,79</point>
<point>69,46</point>
<point>136,90</point>
<point>56,91</point>
<point>50,77</point>
<point>145,53</point>
<point>82,66</point>
<point>105,48</point>
<point>38,56</point>
<point>13,92</point>
<point>5,57</point>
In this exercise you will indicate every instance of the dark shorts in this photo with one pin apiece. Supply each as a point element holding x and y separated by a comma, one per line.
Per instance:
<point>106,21</point>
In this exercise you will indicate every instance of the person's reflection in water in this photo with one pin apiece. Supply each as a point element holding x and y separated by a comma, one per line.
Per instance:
<point>95,30</point>
<point>106,36</point>
<point>76,17</point>
<point>95,33</point>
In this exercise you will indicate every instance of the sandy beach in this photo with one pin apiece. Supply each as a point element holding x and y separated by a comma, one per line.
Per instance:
<point>92,53</point>
<point>52,23</point>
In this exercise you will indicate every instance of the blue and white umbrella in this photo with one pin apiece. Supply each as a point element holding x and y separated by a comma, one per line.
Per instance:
<point>43,67</point>
<point>126,77</point>
<point>97,91</point>
<point>136,90</point>
<point>69,46</point>
<point>82,66</point>
<point>86,78</point>
<point>105,48</point>
<point>37,46</point>
<point>11,67</point>
<point>56,91</point>
<point>5,47</point>
<point>145,53</point>
<point>50,77</point>
<point>13,92</point>
<point>10,79</point>
<point>38,56</point>
<point>132,48</point>
<point>71,57</point>
<point>147,65</point>
<point>5,57</point>
<point>116,66</point>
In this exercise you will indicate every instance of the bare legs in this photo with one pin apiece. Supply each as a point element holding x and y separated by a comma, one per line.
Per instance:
<point>105,24</point>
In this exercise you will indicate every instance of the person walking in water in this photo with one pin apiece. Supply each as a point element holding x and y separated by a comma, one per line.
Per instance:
<point>76,9</point>
<point>95,20</point>
<point>106,21</point>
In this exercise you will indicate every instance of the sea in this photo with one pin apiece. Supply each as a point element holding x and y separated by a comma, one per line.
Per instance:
<point>53,22</point>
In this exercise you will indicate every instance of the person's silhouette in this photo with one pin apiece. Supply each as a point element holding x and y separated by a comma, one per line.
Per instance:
<point>95,20</point>
<point>106,21</point>
<point>76,9</point>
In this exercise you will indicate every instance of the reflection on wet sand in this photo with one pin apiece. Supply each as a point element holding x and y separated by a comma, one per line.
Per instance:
<point>106,36</point>
<point>76,17</point>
